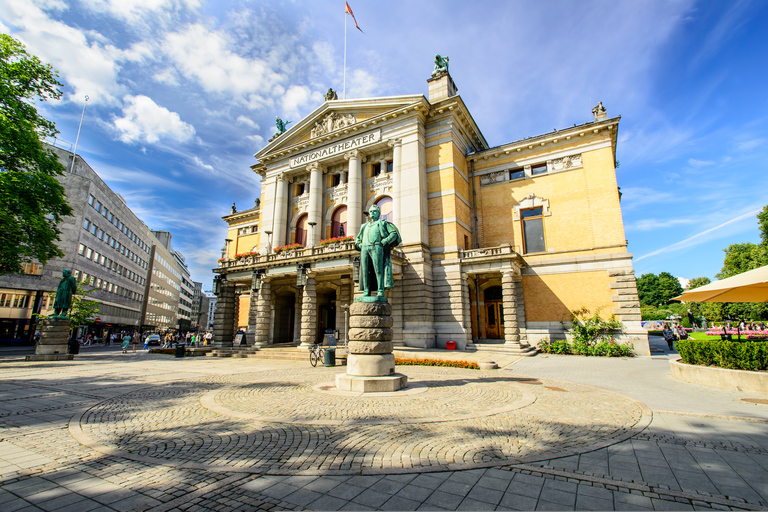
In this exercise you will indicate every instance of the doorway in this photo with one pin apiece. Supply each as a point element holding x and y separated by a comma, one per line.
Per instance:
<point>326,313</point>
<point>285,313</point>
<point>494,313</point>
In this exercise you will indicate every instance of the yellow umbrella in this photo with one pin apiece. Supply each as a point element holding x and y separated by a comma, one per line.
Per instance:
<point>750,286</point>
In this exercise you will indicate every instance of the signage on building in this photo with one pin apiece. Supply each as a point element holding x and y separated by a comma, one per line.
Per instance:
<point>337,149</point>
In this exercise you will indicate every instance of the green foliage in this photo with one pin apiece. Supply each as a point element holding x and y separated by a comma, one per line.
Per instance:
<point>733,355</point>
<point>33,202</point>
<point>555,346</point>
<point>698,282</point>
<point>654,313</point>
<point>437,362</point>
<point>740,258</point>
<point>654,290</point>
<point>592,336</point>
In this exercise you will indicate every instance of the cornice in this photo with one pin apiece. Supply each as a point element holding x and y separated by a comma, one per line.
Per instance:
<point>539,142</point>
<point>456,108</point>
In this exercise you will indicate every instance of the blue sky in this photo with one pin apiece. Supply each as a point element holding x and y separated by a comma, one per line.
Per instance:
<point>184,92</point>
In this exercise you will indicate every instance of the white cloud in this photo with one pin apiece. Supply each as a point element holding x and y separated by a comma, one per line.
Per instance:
<point>700,163</point>
<point>361,84</point>
<point>86,66</point>
<point>144,120</point>
<point>298,96</point>
<point>134,11</point>
<point>748,145</point>
<point>653,224</point>
<point>248,122</point>
<point>202,164</point>
<point>205,56</point>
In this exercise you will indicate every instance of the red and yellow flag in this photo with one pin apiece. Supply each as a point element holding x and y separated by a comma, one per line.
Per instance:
<point>348,10</point>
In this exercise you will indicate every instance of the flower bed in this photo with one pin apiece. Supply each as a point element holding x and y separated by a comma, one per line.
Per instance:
<point>286,248</point>
<point>434,362</point>
<point>337,240</point>
<point>244,255</point>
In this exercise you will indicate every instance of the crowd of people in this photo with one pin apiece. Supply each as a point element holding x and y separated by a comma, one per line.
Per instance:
<point>135,338</point>
<point>673,333</point>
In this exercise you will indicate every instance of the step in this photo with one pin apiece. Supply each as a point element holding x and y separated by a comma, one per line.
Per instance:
<point>503,349</point>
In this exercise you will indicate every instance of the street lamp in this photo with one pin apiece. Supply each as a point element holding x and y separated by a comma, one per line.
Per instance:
<point>312,233</point>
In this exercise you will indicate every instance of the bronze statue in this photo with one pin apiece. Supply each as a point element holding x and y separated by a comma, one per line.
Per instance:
<point>281,125</point>
<point>65,291</point>
<point>331,95</point>
<point>375,241</point>
<point>441,65</point>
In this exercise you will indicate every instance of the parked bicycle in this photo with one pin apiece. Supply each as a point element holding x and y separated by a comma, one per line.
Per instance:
<point>316,353</point>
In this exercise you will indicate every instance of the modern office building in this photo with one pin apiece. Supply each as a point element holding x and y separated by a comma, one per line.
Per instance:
<point>160,312</point>
<point>209,313</point>
<point>499,244</point>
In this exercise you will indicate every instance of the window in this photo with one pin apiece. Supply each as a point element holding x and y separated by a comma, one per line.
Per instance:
<point>300,189</point>
<point>339,222</point>
<point>517,173</point>
<point>96,256</point>
<point>101,234</point>
<point>105,212</point>
<point>33,269</point>
<point>390,165</point>
<point>88,253</point>
<point>111,217</point>
<point>94,229</point>
<point>385,205</point>
<point>301,230</point>
<point>76,275</point>
<point>81,250</point>
<point>107,238</point>
<point>376,169</point>
<point>91,200</point>
<point>121,226</point>
<point>466,243</point>
<point>538,169</point>
<point>336,180</point>
<point>98,206</point>
<point>533,230</point>
<point>86,224</point>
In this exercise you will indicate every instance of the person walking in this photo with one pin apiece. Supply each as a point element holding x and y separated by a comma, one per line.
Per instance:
<point>126,342</point>
<point>135,340</point>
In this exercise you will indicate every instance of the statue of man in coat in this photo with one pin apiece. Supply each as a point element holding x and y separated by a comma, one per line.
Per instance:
<point>375,241</point>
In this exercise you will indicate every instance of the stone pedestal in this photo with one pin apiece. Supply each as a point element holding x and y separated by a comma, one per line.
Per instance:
<point>54,337</point>
<point>371,363</point>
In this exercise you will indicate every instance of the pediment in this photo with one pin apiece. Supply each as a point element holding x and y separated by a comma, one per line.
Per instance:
<point>334,117</point>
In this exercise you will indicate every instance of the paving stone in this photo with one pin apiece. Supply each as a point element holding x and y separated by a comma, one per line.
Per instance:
<point>327,503</point>
<point>400,503</point>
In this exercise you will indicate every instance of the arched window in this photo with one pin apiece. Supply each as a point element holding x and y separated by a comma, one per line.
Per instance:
<point>301,230</point>
<point>385,205</point>
<point>339,222</point>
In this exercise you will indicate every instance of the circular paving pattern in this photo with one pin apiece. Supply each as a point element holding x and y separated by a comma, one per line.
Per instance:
<point>279,422</point>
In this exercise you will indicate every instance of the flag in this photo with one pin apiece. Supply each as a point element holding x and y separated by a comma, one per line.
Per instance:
<point>348,10</point>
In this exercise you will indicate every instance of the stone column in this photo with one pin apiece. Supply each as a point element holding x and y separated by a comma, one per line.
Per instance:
<point>397,151</point>
<point>370,363</point>
<point>308,314</point>
<point>52,346</point>
<point>281,211</point>
<point>224,316</point>
<point>314,211</point>
<point>354,193</point>
<point>262,313</point>
<point>514,321</point>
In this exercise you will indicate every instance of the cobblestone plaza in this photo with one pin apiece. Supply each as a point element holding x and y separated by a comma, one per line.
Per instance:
<point>149,432</point>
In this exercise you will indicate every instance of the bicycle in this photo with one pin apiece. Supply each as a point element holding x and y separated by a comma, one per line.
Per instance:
<point>316,353</point>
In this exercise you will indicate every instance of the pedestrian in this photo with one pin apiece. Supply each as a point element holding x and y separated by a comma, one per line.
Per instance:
<point>208,337</point>
<point>146,342</point>
<point>126,342</point>
<point>135,340</point>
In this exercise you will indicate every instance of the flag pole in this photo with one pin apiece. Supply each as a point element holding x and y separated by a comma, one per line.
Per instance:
<point>344,92</point>
<point>77,140</point>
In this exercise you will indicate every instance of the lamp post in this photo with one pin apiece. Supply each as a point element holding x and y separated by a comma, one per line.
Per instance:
<point>312,233</point>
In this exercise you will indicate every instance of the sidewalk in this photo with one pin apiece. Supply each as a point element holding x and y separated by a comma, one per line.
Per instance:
<point>114,431</point>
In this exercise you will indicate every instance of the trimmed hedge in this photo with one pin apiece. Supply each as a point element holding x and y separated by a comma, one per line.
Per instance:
<point>733,355</point>
<point>434,362</point>
<point>603,348</point>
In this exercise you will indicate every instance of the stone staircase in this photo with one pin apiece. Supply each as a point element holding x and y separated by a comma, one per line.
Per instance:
<point>517,349</point>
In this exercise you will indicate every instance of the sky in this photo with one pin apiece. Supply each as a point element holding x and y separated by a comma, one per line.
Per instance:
<point>182,93</point>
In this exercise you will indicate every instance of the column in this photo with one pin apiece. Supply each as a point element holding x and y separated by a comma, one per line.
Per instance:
<point>509,299</point>
<point>224,316</point>
<point>308,314</point>
<point>354,193</point>
<point>281,210</point>
<point>316,187</point>
<point>397,152</point>
<point>263,313</point>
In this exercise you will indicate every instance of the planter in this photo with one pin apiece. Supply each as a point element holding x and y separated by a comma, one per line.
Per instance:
<point>722,378</point>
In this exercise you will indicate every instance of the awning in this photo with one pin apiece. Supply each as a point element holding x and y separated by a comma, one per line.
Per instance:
<point>751,286</point>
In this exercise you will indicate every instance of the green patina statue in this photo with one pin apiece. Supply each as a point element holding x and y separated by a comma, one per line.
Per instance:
<point>281,125</point>
<point>375,241</point>
<point>441,65</point>
<point>65,291</point>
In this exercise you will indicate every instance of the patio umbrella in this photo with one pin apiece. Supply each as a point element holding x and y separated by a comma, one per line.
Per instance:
<point>750,286</point>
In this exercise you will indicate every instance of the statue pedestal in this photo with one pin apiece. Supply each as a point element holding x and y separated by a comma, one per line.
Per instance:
<point>371,364</point>
<point>54,338</point>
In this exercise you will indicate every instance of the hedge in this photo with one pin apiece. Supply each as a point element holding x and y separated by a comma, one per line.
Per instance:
<point>733,355</point>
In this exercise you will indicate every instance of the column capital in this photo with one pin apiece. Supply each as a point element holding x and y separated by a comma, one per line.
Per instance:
<point>394,142</point>
<point>316,166</point>
<point>354,154</point>
<point>283,176</point>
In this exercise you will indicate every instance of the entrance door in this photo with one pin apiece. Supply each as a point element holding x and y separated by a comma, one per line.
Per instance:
<point>326,313</point>
<point>285,310</point>
<point>494,313</point>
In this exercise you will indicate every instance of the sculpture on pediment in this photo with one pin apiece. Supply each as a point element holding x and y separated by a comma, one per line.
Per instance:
<point>281,125</point>
<point>599,111</point>
<point>331,95</point>
<point>441,65</point>
<point>332,121</point>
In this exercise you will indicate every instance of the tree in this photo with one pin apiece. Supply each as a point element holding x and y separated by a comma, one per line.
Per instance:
<point>33,201</point>
<point>698,282</point>
<point>669,287</point>
<point>654,290</point>
<point>740,258</point>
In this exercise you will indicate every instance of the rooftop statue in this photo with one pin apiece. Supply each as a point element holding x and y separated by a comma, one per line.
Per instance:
<point>375,241</point>
<point>599,111</point>
<point>66,289</point>
<point>331,95</point>
<point>441,65</point>
<point>281,125</point>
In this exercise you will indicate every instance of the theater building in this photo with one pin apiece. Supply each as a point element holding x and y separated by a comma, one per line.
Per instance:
<point>499,244</point>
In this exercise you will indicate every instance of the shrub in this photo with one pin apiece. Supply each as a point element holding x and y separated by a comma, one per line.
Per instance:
<point>244,255</point>
<point>592,336</point>
<point>290,247</point>
<point>435,362</point>
<point>733,355</point>
<point>336,240</point>
<point>554,346</point>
